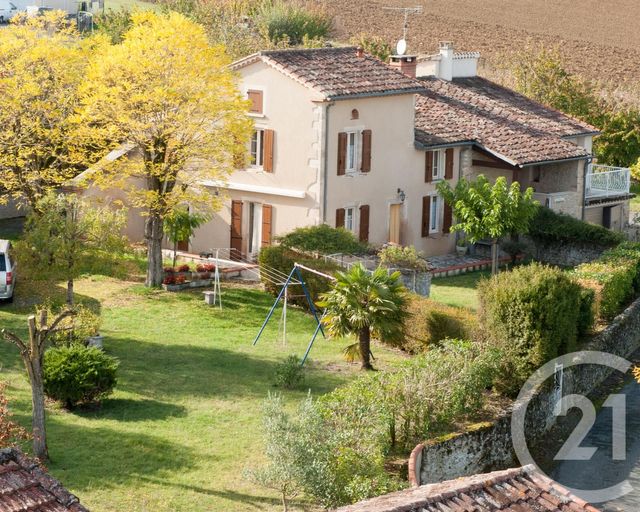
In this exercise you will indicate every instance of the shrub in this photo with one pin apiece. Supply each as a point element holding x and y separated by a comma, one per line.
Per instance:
<point>548,226</point>
<point>289,374</point>
<point>74,375</point>
<point>184,268</point>
<point>531,314</point>
<point>402,257</point>
<point>323,239</point>
<point>612,282</point>
<point>292,23</point>
<point>626,252</point>
<point>169,270</point>
<point>205,267</point>
<point>169,279</point>
<point>76,329</point>
<point>282,259</point>
<point>373,45</point>
<point>430,322</point>
<point>180,279</point>
<point>587,314</point>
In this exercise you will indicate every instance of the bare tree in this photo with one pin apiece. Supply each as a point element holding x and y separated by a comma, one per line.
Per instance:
<point>32,353</point>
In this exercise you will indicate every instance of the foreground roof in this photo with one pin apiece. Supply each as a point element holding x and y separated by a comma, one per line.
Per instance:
<point>25,486</point>
<point>513,127</point>
<point>520,489</point>
<point>336,73</point>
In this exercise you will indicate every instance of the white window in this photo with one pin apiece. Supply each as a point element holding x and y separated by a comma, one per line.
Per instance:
<point>257,148</point>
<point>434,214</point>
<point>349,218</point>
<point>255,227</point>
<point>353,151</point>
<point>438,164</point>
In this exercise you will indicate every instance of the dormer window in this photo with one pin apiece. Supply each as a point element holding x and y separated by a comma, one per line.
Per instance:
<point>256,99</point>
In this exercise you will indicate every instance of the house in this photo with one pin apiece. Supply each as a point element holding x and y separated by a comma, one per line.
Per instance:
<point>342,138</point>
<point>521,489</point>
<point>24,485</point>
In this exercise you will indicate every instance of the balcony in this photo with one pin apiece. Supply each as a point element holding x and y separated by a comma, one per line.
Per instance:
<point>604,181</point>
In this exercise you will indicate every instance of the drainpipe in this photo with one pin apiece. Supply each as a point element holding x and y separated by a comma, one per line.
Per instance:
<point>587,163</point>
<point>325,164</point>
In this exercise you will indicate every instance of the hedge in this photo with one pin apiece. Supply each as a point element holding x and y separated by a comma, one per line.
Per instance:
<point>548,226</point>
<point>283,259</point>
<point>323,239</point>
<point>429,322</point>
<point>532,314</point>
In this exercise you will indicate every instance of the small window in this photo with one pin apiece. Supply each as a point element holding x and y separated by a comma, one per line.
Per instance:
<point>355,114</point>
<point>3,263</point>
<point>257,148</point>
<point>353,144</point>
<point>438,164</point>
<point>255,97</point>
<point>349,219</point>
<point>434,214</point>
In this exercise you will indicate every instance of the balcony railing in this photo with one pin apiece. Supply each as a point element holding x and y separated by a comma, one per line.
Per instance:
<point>606,181</point>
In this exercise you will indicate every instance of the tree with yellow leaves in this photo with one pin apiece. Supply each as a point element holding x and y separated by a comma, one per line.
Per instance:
<point>170,95</point>
<point>42,64</point>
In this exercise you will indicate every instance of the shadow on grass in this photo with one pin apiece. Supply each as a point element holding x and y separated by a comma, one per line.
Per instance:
<point>125,409</point>
<point>468,280</point>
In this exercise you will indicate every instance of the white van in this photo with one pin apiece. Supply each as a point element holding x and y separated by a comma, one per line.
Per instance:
<point>7,11</point>
<point>7,271</point>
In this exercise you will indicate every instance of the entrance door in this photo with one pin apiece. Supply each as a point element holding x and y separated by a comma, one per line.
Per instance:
<point>394,223</point>
<point>183,245</point>
<point>236,230</point>
<point>255,228</point>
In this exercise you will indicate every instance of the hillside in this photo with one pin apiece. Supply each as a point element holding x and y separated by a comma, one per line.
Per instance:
<point>598,38</point>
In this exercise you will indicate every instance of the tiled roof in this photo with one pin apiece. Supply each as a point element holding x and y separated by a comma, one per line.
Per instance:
<point>26,487</point>
<point>337,73</point>
<point>515,128</point>
<point>514,490</point>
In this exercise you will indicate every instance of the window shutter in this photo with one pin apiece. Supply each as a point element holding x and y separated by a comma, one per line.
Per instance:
<point>236,230</point>
<point>340,218</point>
<point>267,160</point>
<point>448,164</point>
<point>267,212</point>
<point>426,213</point>
<point>366,151</point>
<point>428,167</point>
<point>447,219</point>
<point>342,153</point>
<point>255,97</point>
<point>364,223</point>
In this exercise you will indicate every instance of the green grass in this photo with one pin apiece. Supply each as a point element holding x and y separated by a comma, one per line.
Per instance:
<point>130,4</point>
<point>458,290</point>
<point>185,418</point>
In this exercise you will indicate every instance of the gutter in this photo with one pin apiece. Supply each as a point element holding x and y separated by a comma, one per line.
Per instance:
<point>572,159</point>
<point>424,147</point>
<point>414,90</point>
<point>584,185</point>
<point>324,172</point>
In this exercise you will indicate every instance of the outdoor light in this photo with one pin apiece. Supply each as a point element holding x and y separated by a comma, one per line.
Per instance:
<point>401,194</point>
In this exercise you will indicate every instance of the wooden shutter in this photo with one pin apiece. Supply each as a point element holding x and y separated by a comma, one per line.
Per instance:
<point>426,214</point>
<point>428,167</point>
<point>366,151</point>
<point>267,155</point>
<point>447,219</point>
<point>342,153</point>
<point>448,164</point>
<point>364,223</point>
<point>340,218</point>
<point>236,230</point>
<point>267,212</point>
<point>255,97</point>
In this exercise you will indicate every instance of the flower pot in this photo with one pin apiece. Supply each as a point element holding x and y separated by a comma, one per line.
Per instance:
<point>96,341</point>
<point>461,250</point>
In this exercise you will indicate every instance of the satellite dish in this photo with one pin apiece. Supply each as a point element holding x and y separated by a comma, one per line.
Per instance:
<point>401,47</point>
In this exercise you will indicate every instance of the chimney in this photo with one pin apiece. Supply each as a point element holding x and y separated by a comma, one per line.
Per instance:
<point>360,52</point>
<point>445,70</point>
<point>405,64</point>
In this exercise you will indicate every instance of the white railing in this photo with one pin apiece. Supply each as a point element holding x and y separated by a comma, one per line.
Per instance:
<point>604,181</point>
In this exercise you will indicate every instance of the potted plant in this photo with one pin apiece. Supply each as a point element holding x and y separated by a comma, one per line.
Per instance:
<point>461,246</point>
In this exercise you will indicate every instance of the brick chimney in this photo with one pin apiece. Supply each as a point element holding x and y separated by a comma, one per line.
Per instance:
<point>405,64</point>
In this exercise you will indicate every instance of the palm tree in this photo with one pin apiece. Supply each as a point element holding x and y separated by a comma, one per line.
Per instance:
<point>365,304</point>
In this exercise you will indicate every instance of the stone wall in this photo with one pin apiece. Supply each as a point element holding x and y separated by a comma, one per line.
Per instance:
<point>563,254</point>
<point>489,446</point>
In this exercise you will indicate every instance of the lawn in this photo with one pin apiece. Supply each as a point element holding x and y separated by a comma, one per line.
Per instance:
<point>185,418</point>
<point>458,290</point>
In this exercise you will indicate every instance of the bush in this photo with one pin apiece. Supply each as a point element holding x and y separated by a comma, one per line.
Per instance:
<point>323,239</point>
<point>548,226</point>
<point>430,322</point>
<point>373,45</point>
<point>76,374</point>
<point>76,329</point>
<point>626,252</point>
<point>612,282</point>
<point>184,268</point>
<point>289,374</point>
<point>531,315</point>
<point>587,314</point>
<point>394,256</point>
<point>292,23</point>
<point>282,259</point>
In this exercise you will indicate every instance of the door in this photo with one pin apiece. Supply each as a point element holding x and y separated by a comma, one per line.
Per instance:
<point>255,228</point>
<point>183,245</point>
<point>394,223</point>
<point>236,230</point>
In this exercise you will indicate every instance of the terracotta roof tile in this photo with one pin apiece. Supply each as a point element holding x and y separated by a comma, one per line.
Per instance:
<point>476,110</point>
<point>337,73</point>
<point>26,487</point>
<point>513,490</point>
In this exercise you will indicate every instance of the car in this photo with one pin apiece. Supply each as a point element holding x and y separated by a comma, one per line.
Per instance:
<point>7,11</point>
<point>8,269</point>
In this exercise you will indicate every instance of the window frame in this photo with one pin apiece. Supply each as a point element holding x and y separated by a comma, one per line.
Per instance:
<point>254,161</point>
<point>351,209</point>
<point>438,164</point>
<point>436,208</point>
<point>354,136</point>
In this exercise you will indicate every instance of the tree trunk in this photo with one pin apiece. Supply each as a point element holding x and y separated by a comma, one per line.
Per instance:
<point>175,253</point>
<point>70,292</point>
<point>494,256</point>
<point>153,234</point>
<point>285,504</point>
<point>40,449</point>
<point>364,340</point>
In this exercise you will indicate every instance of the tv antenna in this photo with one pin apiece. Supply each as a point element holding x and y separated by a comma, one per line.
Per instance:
<point>401,46</point>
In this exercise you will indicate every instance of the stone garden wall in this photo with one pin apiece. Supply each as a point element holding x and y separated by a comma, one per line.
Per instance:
<point>489,447</point>
<point>563,254</point>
